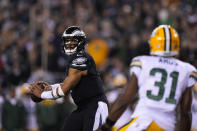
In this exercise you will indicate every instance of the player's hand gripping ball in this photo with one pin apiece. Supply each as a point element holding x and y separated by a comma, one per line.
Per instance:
<point>43,86</point>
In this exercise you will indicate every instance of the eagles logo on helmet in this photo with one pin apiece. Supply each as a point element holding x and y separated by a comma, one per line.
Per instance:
<point>74,40</point>
<point>164,41</point>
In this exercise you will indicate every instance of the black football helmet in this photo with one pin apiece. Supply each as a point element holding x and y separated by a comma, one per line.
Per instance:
<point>78,38</point>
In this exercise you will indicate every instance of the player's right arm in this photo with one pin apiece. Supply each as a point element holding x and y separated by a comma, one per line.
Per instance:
<point>74,76</point>
<point>124,99</point>
<point>77,68</point>
<point>121,103</point>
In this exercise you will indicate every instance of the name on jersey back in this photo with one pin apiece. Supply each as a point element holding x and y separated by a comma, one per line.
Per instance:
<point>168,61</point>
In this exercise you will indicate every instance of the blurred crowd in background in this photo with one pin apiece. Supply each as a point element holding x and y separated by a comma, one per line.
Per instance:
<point>117,31</point>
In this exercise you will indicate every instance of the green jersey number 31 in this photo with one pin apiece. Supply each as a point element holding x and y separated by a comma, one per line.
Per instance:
<point>160,84</point>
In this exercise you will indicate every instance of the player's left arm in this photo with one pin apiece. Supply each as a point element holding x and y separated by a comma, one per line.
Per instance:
<point>185,111</point>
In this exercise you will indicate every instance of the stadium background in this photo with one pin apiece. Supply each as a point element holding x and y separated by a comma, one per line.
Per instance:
<point>117,31</point>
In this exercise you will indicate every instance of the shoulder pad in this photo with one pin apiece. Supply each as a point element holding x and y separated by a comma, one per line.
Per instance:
<point>79,63</point>
<point>136,62</point>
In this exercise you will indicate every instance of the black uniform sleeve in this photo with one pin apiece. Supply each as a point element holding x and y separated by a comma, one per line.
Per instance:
<point>80,63</point>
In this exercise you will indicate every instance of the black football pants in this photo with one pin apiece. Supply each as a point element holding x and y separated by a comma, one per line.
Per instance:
<point>88,118</point>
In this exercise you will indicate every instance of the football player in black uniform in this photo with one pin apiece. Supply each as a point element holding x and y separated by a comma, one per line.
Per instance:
<point>83,82</point>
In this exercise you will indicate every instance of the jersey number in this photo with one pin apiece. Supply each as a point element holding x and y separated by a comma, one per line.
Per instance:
<point>160,84</point>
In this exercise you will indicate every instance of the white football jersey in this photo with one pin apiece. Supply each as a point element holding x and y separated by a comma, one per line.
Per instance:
<point>161,83</point>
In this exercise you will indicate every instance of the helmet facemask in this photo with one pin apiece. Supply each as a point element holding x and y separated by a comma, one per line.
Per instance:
<point>74,40</point>
<point>70,45</point>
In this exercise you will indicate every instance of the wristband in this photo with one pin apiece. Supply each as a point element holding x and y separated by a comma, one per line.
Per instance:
<point>110,122</point>
<point>47,95</point>
<point>60,91</point>
<point>53,94</point>
<point>54,86</point>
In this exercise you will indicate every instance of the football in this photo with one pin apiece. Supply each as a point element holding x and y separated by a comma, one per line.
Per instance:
<point>41,85</point>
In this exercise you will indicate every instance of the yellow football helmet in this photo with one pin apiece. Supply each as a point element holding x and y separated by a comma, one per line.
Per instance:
<point>164,41</point>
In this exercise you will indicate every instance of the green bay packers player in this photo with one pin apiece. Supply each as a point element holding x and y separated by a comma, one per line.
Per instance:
<point>163,84</point>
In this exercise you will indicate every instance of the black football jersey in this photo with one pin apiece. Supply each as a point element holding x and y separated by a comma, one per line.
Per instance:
<point>89,86</point>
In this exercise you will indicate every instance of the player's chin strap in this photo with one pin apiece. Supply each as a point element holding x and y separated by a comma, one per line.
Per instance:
<point>55,93</point>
